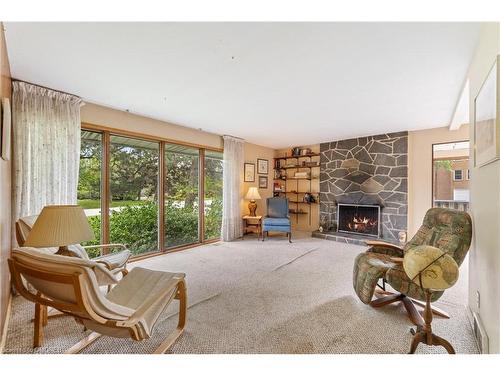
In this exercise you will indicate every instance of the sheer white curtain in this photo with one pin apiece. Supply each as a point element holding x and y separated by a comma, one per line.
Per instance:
<point>232,226</point>
<point>46,136</point>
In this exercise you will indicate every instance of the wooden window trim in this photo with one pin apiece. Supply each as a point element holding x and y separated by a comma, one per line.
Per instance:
<point>201,195</point>
<point>107,132</point>
<point>127,133</point>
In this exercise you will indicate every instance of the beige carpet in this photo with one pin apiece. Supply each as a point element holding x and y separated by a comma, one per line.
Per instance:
<point>271,297</point>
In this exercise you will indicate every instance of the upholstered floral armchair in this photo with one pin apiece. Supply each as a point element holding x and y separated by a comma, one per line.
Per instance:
<point>446,229</point>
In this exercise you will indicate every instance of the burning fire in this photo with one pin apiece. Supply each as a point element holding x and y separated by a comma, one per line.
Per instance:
<point>362,224</point>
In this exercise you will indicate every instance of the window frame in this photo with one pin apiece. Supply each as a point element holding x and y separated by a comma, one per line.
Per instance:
<point>432,169</point>
<point>107,132</point>
<point>108,191</point>
<point>455,175</point>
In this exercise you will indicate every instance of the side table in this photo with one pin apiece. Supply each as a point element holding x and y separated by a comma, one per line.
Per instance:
<point>252,222</point>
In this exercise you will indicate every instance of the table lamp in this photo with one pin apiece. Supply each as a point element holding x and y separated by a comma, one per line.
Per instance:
<point>252,195</point>
<point>60,226</point>
<point>431,269</point>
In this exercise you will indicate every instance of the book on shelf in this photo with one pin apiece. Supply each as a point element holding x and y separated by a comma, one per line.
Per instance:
<point>278,187</point>
<point>301,175</point>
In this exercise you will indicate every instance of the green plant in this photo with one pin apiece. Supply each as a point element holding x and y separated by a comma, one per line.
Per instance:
<point>213,219</point>
<point>181,224</point>
<point>137,226</point>
<point>444,164</point>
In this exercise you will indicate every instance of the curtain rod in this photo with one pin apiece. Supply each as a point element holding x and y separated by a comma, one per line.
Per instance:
<point>232,136</point>
<point>45,87</point>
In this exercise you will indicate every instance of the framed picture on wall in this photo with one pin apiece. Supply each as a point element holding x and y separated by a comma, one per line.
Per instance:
<point>262,166</point>
<point>486,132</point>
<point>262,182</point>
<point>249,171</point>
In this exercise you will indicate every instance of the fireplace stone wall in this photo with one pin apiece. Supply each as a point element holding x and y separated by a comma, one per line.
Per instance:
<point>366,170</point>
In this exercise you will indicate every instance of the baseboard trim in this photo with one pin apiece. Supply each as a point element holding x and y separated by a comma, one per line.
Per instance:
<point>6,324</point>
<point>470,318</point>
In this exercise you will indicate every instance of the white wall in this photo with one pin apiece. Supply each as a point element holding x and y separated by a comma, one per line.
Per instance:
<point>484,258</point>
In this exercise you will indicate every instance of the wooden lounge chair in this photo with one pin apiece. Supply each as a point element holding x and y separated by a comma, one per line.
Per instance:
<point>71,285</point>
<point>115,262</point>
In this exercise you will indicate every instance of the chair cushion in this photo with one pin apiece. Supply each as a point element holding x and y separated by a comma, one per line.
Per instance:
<point>78,251</point>
<point>91,272</point>
<point>397,278</point>
<point>101,273</point>
<point>274,221</point>
<point>140,284</point>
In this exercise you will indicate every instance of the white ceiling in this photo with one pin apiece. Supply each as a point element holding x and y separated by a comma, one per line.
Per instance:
<point>274,84</point>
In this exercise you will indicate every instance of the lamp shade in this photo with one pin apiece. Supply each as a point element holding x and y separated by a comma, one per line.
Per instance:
<point>430,267</point>
<point>253,194</point>
<point>60,226</point>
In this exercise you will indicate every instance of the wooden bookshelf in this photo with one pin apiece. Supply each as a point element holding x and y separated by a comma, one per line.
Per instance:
<point>280,176</point>
<point>297,157</point>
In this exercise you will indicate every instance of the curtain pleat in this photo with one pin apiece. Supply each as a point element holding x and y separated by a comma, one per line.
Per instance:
<point>46,136</point>
<point>232,226</point>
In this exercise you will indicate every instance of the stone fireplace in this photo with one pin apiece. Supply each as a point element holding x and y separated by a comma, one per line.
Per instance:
<point>365,172</point>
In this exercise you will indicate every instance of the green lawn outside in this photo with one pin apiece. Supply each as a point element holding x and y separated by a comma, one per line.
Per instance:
<point>95,203</point>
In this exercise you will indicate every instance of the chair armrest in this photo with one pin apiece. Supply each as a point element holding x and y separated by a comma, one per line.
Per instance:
<point>383,244</point>
<point>106,246</point>
<point>385,248</point>
<point>114,260</point>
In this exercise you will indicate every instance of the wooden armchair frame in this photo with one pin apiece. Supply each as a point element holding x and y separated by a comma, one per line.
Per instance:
<point>81,310</point>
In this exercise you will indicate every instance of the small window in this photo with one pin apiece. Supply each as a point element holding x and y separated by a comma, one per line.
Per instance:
<point>458,175</point>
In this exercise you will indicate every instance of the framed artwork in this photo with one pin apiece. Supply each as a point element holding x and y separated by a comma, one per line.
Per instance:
<point>262,182</point>
<point>5,128</point>
<point>262,166</point>
<point>249,171</point>
<point>486,132</point>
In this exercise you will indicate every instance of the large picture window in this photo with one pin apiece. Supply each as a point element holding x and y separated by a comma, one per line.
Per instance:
<point>181,195</point>
<point>133,182</point>
<point>213,194</point>
<point>148,193</point>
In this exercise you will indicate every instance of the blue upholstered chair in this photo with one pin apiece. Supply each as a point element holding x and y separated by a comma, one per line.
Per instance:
<point>277,218</point>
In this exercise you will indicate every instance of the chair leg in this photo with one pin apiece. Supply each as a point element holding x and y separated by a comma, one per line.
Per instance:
<point>181,295</point>
<point>379,302</point>
<point>290,237</point>
<point>38,326</point>
<point>49,315</point>
<point>435,310</point>
<point>413,314</point>
<point>82,344</point>
<point>411,310</point>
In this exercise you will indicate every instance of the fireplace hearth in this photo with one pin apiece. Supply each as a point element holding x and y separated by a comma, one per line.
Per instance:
<point>359,219</point>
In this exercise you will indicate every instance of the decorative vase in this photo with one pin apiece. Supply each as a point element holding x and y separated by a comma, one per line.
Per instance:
<point>252,207</point>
